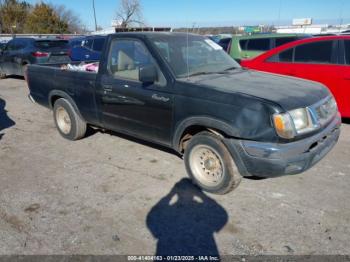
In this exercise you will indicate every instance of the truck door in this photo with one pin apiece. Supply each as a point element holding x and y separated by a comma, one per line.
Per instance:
<point>129,106</point>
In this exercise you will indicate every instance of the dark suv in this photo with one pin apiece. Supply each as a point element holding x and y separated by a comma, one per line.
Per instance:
<point>20,52</point>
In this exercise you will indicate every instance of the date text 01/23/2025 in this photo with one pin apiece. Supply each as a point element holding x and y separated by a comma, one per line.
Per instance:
<point>173,258</point>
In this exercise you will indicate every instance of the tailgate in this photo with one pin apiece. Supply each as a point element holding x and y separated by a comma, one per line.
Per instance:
<point>56,50</point>
<point>59,57</point>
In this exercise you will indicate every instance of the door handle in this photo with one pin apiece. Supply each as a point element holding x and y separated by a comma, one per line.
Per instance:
<point>107,88</point>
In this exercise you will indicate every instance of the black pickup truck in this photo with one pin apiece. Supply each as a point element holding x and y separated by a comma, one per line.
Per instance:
<point>184,92</point>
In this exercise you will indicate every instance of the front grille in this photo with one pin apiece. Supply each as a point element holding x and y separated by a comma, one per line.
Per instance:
<point>324,111</point>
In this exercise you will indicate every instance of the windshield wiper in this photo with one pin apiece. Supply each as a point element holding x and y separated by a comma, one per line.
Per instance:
<point>211,73</point>
<point>201,73</point>
<point>231,68</point>
<point>226,71</point>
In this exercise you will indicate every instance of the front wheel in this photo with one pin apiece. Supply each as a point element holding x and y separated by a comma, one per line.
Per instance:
<point>210,165</point>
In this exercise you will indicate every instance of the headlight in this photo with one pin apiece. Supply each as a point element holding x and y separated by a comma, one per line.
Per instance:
<point>293,123</point>
<point>283,125</point>
<point>302,120</point>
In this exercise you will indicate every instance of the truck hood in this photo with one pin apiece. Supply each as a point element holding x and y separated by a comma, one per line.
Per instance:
<point>288,92</point>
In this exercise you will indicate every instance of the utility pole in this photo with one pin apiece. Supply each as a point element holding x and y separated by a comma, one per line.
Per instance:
<point>279,13</point>
<point>341,15</point>
<point>93,6</point>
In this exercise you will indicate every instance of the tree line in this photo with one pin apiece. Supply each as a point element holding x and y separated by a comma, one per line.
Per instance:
<point>19,16</point>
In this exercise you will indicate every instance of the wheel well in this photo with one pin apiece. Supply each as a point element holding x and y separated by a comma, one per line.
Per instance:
<point>57,96</point>
<point>54,99</point>
<point>190,131</point>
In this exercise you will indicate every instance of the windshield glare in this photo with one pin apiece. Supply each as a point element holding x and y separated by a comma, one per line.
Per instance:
<point>192,54</point>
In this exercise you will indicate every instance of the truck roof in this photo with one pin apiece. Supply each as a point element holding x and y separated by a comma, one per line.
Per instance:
<point>150,34</point>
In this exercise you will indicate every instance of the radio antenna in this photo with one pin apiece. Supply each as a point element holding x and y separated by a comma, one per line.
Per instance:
<point>279,13</point>
<point>187,63</point>
<point>93,7</point>
<point>341,15</point>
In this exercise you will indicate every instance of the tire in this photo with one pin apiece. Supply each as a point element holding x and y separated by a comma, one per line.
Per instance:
<point>68,122</point>
<point>210,165</point>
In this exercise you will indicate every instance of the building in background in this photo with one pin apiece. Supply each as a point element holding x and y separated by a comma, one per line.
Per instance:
<point>306,26</point>
<point>117,28</point>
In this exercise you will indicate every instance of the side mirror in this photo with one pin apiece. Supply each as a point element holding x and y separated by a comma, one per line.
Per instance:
<point>148,74</point>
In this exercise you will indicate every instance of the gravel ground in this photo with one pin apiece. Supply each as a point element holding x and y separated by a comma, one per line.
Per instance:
<point>108,194</point>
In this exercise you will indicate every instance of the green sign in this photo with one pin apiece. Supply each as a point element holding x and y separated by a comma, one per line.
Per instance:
<point>252,29</point>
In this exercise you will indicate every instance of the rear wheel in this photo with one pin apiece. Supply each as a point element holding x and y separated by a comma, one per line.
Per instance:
<point>210,165</point>
<point>67,120</point>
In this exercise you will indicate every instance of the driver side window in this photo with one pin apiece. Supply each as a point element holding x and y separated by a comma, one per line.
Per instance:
<point>127,56</point>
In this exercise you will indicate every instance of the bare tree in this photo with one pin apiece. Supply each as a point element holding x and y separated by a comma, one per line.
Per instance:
<point>69,17</point>
<point>129,13</point>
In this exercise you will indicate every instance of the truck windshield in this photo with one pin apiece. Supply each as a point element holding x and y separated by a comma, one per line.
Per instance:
<point>190,55</point>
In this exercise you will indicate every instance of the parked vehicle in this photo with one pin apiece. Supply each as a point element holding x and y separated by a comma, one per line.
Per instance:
<point>225,43</point>
<point>20,52</point>
<point>76,41</point>
<point>217,38</point>
<point>346,32</point>
<point>323,59</point>
<point>2,46</point>
<point>249,46</point>
<point>87,49</point>
<point>226,121</point>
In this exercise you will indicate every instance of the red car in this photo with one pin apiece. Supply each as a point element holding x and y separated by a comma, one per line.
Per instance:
<point>322,59</point>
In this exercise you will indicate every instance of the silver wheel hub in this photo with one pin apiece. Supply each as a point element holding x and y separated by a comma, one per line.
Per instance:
<point>63,120</point>
<point>206,165</point>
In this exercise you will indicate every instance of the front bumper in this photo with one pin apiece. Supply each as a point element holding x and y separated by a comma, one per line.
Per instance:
<point>273,159</point>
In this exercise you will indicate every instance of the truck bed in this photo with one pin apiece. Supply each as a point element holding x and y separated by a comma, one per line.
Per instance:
<point>46,81</point>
